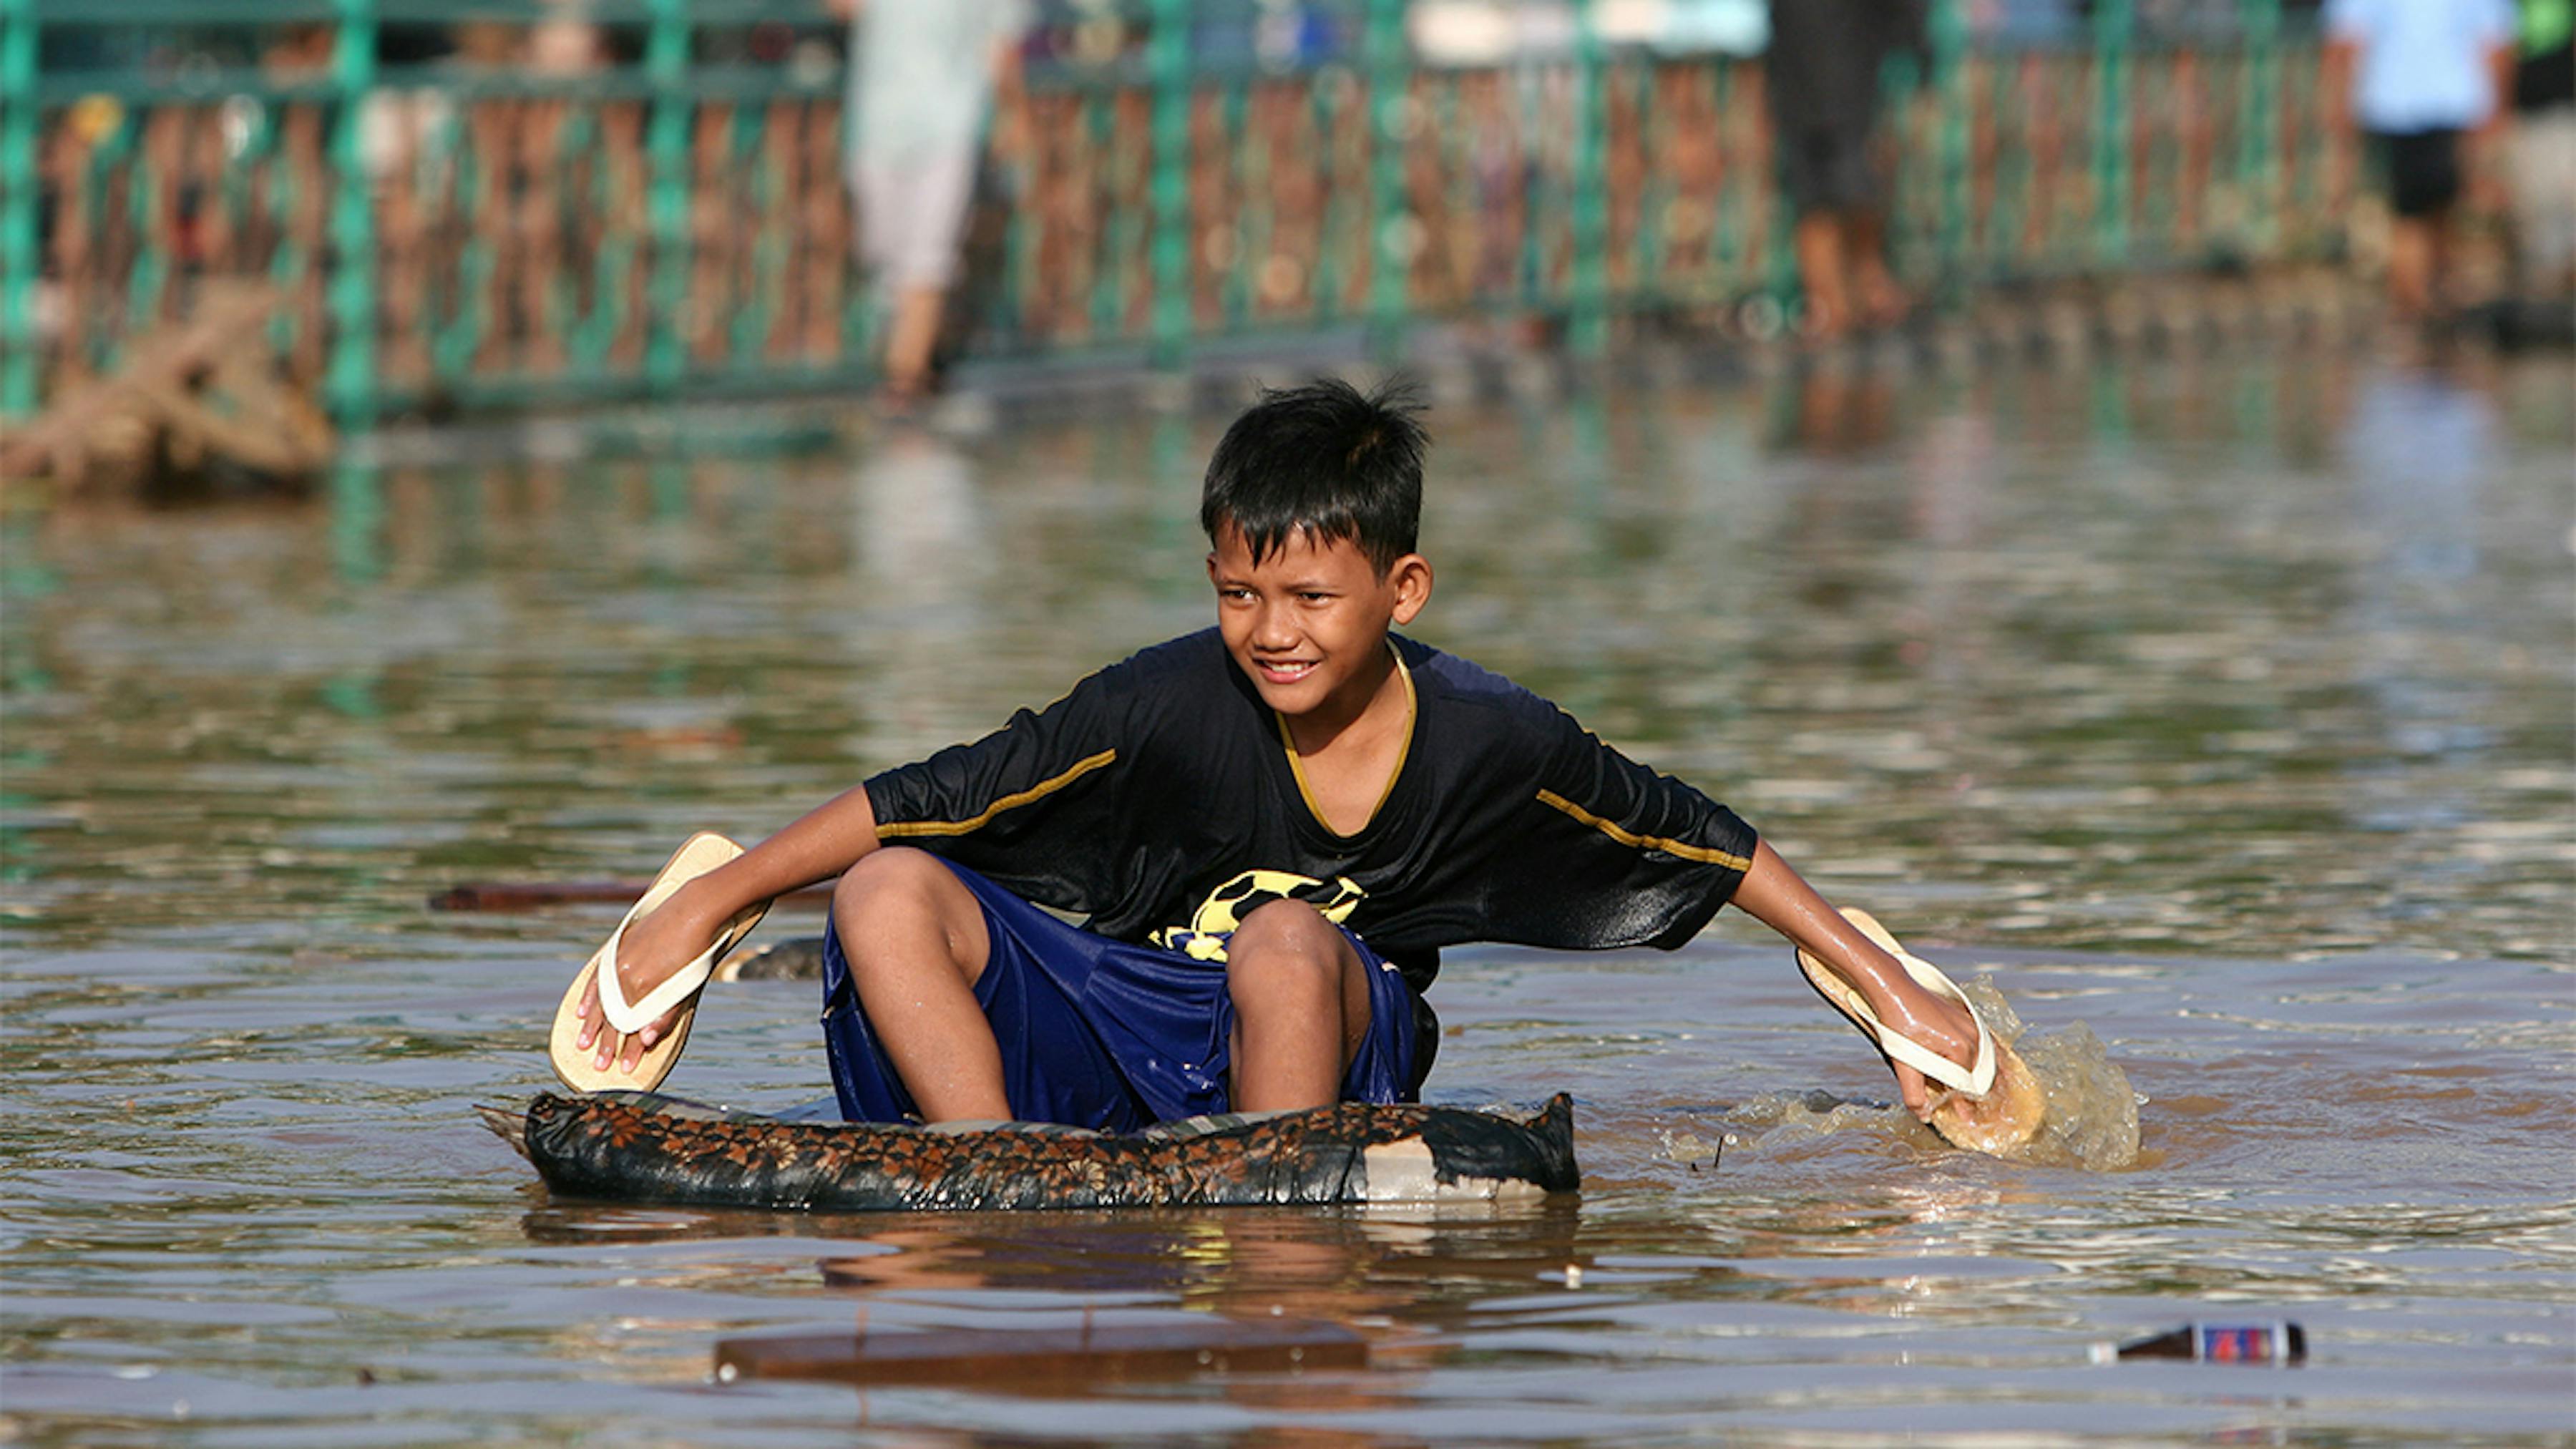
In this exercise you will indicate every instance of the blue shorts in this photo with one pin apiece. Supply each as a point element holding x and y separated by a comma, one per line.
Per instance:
<point>1099,1033</point>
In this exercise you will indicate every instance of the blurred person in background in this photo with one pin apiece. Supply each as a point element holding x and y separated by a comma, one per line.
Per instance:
<point>2544,150</point>
<point>2423,74</point>
<point>1822,76</point>
<point>564,40</point>
<point>924,77</point>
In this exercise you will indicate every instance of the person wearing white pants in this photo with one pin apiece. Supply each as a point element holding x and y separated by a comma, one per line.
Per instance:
<point>923,79</point>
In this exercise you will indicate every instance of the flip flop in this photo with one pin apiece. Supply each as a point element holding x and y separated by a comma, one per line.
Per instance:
<point>1992,1106</point>
<point>696,856</point>
<point>1976,1081</point>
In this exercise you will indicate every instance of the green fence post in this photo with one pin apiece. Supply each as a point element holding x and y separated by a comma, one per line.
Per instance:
<point>352,380</point>
<point>1948,38</point>
<point>666,68</point>
<point>2113,24</point>
<point>1586,327</point>
<point>1168,63</point>
<point>1392,239</point>
<point>357,521</point>
<point>18,262</point>
<point>1900,90</point>
<point>2256,177</point>
<point>1254,217</point>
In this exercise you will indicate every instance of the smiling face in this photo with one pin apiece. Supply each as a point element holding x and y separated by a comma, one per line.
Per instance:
<point>1307,625</point>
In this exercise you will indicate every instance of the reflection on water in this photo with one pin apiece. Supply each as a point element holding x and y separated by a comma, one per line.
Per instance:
<point>919,531</point>
<point>2224,708</point>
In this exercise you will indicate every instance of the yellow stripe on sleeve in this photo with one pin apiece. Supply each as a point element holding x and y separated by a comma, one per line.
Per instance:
<point>1625,836</point>
<point>1036,792</point>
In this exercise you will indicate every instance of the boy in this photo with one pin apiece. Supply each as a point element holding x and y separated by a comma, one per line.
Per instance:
<point>1272,826</point>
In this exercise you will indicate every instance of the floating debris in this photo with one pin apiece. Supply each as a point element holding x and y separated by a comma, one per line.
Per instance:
<point>1047,1358</point>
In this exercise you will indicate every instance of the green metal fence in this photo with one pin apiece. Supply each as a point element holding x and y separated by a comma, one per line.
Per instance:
<point>672,219</point>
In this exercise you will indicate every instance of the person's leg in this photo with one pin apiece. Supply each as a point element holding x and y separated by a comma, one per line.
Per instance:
<point>1301,1007</point>
<point>915,941</point>
<point>1881,300</point>
<point>1807,157</point>
<point>1819,245</point>
<point>884,193</point>
<point>2451,175</point>
<point>2410,266</point>
<point>935,193</point>
<point>2443,286</point>
<point>2423,182</point>
<point>912,334</point>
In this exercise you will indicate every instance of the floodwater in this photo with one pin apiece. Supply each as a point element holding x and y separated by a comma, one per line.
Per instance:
<point>2223,707</point>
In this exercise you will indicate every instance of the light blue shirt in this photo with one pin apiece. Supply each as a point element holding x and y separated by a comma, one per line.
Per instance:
<point>2425,64</point>
<point>922,73</point>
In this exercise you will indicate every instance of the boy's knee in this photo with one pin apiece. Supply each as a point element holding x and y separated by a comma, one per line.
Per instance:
<point>896,871</point>
<point>899,906</point>
<point>1286,944</point>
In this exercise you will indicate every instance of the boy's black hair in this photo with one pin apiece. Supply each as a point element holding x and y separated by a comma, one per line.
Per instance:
<point>1325,461</point>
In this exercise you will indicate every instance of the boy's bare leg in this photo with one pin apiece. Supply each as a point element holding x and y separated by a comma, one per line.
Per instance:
<point>1301,1008</point>
<point>915,940</point>
<point>1774,894</point>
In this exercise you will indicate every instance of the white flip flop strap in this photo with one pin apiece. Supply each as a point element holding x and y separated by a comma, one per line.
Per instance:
<point>630,1017</point>
<point>1975,1081</point>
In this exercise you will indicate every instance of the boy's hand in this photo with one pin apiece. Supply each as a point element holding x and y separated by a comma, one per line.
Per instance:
<point>1934,1021</point>
<point>655,945</point>
<point>2014,1107</point>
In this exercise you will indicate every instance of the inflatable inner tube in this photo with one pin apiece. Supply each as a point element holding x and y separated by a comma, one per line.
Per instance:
<point>646,1147</point>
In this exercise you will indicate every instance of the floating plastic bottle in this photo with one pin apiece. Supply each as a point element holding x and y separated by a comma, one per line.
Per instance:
<point>2277,1343</point>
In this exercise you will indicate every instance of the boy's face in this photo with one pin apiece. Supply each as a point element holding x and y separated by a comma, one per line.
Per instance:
<point>1307,625</point>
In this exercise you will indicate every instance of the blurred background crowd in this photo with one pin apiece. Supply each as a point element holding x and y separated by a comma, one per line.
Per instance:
<point>422,206</point>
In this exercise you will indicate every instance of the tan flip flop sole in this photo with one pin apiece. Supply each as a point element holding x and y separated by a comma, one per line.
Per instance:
<point>696,856</point>
<point>1993,1107</point>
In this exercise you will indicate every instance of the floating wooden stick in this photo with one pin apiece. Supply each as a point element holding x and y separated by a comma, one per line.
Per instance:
<point>1103,1353</point>
<point>485,895</point>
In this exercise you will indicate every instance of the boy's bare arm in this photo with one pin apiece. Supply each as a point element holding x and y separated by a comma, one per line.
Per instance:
<point>1776,896</point>
<point>818,846</point>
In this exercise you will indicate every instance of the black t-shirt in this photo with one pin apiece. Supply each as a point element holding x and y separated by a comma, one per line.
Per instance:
<point>1162,800</point>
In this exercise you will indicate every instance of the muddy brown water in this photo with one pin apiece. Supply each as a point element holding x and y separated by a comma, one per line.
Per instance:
<point>2222,707</point>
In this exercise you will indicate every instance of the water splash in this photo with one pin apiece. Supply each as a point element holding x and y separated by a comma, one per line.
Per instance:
<point>2092,1111</point>
<point>2092,1121</point>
